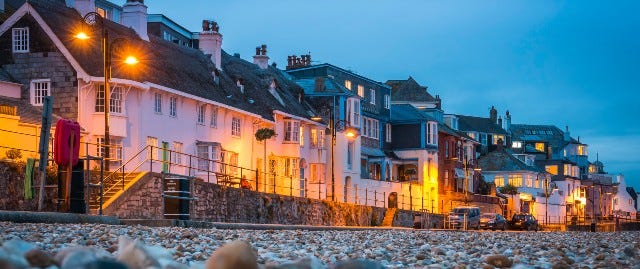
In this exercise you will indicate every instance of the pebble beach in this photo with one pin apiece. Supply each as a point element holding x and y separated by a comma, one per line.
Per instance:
<point>52,245</point>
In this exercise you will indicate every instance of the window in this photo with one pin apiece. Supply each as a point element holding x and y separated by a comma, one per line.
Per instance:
<point>321,139</point>
<point>372,95</point>
<point>317,173</point>
<point>214,117</point>
<point>235,127</point>
<point>497,137</point>
<point>483,139</point>
<point>353,112</point>
<point>206,153</point>
<point>201,110</point>
<point>446,179</point>
<point>314,138</point>
<point>375,129</point>
<point>387,101</point>
<point>301,136</point>
<point>177,153</point>
<point>529,181</point>
<point>115,101</point>
<point>39,89</point>
<point>291,131</point>
<point>290,167</point>
<point>361,91</point>
<point>432,133</point>
<point>152,150</point>
<point>173,106</point>
<point>115,149</point>
<point>499,180</point>
<point>347,84</point>
<point>567,170</point>
<point>388,133</point>
<point>539,147</point>
<point>515,180</point>
<point>516,144</point>
<point>472,135</point>
<point>20,39</point>
<point>582,150</point>
<point>350,150</point>
<point>158,103</point>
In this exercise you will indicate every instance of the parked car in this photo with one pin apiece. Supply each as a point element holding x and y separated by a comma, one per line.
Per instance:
<point>459,215</point>
<point>493,221</point>
<point>524,221</point>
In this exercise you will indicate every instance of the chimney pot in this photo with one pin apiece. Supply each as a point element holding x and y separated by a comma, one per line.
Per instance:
<point>493,114</point>
<point>211,42</point>
<point>261,59</point>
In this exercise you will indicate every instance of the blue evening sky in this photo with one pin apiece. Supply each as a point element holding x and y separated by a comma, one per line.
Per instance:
<point>574,63</point>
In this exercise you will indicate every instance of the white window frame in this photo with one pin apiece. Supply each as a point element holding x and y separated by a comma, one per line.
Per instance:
<point>115,102</point>
<point>350,153</point>
<point>236,124</point>
<point>173,106</point>
<point>177,152</point>
<point>115,149</point>
<point>20,40</point>
<point>214,117</point>
<point>387,101</point>
<point>388,133</point>
<point>301,136</point>
<point>321,139</point>
<point>432,133</point>
<point>38,92</point>
<point>291,131</point>
<point>314,138</point>
<point>152,153</point>
<point>372,99</point>
<point>157,103</point>
<point>353,112</point>
<point>201,109</point>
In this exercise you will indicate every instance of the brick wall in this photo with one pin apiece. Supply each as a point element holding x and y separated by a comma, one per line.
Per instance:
<point>224,204</point>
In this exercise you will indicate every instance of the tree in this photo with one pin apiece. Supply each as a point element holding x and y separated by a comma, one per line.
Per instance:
<point>483,187</point>
<point>263,134</point>
<point>508,189</point>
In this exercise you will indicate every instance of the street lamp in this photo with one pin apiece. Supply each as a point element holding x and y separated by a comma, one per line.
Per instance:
<point>336,126</point>
<point>92,18</point>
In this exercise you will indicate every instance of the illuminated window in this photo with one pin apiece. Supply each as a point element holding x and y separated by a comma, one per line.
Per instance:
<point>361,91</point>
<point>177,154</point>
<point>516,144</point>
<point>472,135</point>
<point>347,84</point>
<point>301,136</point>
<point>540,147</point>
<point>515,180</point>
<point>446,179</point>
<point>499,180</point>
<point>314,138</point>
<point>498,137</point>
<point>551,169</point>
<point>582,150</point>
<point>20,39</point>
<point>39,89</point>
<point>529,181</point>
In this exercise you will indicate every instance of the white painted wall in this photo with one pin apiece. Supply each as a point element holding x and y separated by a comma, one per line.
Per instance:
<point>624,206</point>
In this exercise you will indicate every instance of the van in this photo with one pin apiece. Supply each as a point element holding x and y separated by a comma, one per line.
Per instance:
<point>459,215</point>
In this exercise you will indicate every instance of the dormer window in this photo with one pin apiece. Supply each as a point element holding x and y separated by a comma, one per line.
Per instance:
<point>20,40</point>
<point>216,77</point>
<point>272,90</point>
<point>347,84</point>
<point>240,84</point>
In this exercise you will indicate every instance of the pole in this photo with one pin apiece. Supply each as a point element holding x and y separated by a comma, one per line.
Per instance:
<point>333,145</point>
<point>546,201</point>
<point>107,93</point>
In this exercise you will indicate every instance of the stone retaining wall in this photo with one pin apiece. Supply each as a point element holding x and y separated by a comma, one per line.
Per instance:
<point>217,203</point>
<point>12,189</point>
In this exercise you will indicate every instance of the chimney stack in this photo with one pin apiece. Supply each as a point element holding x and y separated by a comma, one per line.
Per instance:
<point>493,115</point>
<point>134,15</point>
<point>567,135</point>
<point>82,6</point>
<point>210,41</point>
<point>294,61</point>
<point>507,125</point>
<point>438,102</point>
<point>261,59</point>
<point>500,122</point>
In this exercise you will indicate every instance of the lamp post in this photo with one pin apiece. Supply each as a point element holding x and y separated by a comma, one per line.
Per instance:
<point>468,165</point>
<point>92,18</point>
<point>546,195</point>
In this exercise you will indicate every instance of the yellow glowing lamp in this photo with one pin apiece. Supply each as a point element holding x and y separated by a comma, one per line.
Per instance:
<point>350,134</point>
<point>82,36</point>
<point>131,60</point>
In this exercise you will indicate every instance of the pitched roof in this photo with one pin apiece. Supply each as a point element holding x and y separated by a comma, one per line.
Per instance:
<point>331,87</point>
<point>632,192</point>
<point>405,113</point>
<point>28,113</point>
<point>409,90</point>
<point>479,124</point>
<point>446,129</point>
<point>501,160</point>
<point>5,76</point>
<point>548,133</point>
<point>184,69</point>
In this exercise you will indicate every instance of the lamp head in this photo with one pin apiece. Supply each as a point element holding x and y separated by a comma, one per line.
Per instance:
<point>81,36</point>
<point>131,60</point>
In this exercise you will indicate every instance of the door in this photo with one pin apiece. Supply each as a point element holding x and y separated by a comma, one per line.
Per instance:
<point>165,157</point>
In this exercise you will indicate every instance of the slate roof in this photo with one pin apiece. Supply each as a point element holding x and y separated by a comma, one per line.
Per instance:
<point>502,160</point>
<point>331,87</point>
<point>446,129</point>
<point>4,76</point>
<point>479,124</point>
<point>405,113</point>
<point>28,113</point>
<point>409,90</point>
<point>184,69</point>
<point>548,133</point>
<point>632,192</point>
